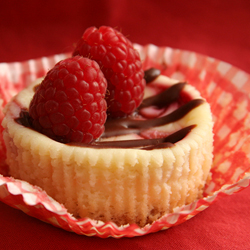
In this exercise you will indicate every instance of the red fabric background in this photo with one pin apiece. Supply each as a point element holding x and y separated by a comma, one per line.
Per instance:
<point>31,29</point>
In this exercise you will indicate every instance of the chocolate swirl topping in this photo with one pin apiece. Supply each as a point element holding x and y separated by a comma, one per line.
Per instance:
<point>128,125</point>
<point>151,74</point>
<point>146,144</point>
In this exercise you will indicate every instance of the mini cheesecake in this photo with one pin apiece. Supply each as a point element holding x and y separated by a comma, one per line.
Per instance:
<point>142,167</point>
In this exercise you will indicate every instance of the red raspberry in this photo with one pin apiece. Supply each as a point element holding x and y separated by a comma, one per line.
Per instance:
<point>69,105</point>
<point>121,65</point>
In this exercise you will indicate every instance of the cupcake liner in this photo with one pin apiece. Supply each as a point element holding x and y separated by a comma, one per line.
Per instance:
<point>225,87</point>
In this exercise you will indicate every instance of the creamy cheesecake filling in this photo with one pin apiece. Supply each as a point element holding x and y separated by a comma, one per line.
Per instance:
<point>164,105</point>
<point>113,179</point>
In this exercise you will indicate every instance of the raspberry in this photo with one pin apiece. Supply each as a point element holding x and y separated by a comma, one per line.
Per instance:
<point>70,105</point>
<point>121,65</point>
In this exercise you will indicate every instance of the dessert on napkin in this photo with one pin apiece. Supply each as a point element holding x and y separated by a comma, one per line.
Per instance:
<point>107,140</point>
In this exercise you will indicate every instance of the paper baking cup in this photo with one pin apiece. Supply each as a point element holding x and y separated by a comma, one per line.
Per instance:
<point>225,87</point>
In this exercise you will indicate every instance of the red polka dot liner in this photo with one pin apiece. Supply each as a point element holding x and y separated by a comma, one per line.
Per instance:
<point>225,87</point>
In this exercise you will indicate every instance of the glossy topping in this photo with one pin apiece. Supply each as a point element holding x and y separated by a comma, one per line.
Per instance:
<point>145,144</point>
<point>151,74</point>
<point>139,123</point>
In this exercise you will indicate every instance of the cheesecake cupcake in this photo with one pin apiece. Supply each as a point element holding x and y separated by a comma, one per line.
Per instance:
<point>109,151</point>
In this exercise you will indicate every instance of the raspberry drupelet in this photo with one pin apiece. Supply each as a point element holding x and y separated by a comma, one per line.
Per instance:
<point>121,65</point>
<point>69,104</point>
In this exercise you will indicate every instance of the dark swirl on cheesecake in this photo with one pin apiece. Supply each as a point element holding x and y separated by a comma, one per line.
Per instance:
<point>131,124</point>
